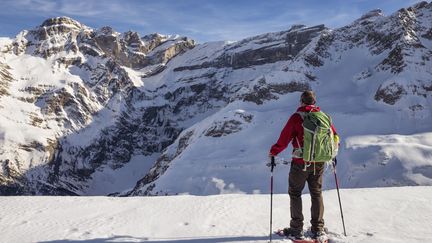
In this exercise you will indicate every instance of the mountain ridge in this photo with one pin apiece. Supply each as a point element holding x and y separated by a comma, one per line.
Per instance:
<point>113,101</point>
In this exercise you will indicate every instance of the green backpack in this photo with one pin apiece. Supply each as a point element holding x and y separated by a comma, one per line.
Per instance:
<point>318,140</point>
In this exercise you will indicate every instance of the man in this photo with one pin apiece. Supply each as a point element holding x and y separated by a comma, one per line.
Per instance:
<point>302,172</point>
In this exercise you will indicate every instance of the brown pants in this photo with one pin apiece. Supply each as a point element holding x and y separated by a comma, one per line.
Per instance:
<point>297,181</point>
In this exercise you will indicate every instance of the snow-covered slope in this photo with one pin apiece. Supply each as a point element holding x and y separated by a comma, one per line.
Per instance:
<point>349,69</point>
<point>371,215</point>
<point>93,112</point>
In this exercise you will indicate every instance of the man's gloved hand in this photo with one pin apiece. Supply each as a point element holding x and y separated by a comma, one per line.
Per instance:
<point>335,162</point>
<point>336,139</point>
<point>270,155</point>
<point>272,163</point>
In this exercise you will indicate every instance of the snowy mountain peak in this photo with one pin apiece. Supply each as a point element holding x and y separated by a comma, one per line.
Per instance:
<point>153,36</point>
<point>108,31</point>
<point>422,4</point>
<point>65,21</point>
<point>296,27</point>
<point>91,112</point>
<point>371,14</point>
<point>67,41</point>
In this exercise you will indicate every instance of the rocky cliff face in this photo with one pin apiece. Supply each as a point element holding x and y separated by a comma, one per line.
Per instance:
<point>90,102</point>
<point>5,78</point>
<point>90,74</point>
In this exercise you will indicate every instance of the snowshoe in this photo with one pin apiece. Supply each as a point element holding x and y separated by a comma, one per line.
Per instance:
<point>290,233</point>
<point>320,236</point>
<point>298,237</point>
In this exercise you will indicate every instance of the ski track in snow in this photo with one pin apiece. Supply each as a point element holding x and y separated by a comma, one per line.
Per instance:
<point>371,215</point>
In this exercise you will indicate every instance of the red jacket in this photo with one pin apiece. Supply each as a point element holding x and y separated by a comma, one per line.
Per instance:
<point>293,132</point>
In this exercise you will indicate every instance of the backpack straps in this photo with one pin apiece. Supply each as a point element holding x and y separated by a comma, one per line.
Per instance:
<point>302,114</point>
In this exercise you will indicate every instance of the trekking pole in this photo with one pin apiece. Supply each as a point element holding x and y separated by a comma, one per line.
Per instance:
<point>337,188</point>
<point>273,164</point>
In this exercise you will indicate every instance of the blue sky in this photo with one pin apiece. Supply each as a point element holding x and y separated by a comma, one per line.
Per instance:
<point>202,20</point>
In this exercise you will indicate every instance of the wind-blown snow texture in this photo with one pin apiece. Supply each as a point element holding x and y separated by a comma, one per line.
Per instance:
<point>96,112</point>
<point>371,215</point>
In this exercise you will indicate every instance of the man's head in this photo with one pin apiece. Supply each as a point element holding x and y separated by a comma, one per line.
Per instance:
<point>308,98</point>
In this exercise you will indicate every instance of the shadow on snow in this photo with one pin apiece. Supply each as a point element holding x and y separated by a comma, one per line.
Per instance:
<point>127,239</point>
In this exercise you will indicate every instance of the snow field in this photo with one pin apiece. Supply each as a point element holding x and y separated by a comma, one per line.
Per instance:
<point>371,215</point>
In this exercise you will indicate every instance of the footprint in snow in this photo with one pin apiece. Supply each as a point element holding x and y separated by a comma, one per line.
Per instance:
<point>73,230</point>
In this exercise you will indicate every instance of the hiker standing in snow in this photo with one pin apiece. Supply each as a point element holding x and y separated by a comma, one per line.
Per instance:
<point>307,165</point>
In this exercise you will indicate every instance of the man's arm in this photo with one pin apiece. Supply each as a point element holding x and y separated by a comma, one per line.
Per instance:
<point>285,137</point>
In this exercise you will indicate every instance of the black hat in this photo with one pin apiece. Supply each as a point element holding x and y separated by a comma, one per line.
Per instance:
<point>308,97</point>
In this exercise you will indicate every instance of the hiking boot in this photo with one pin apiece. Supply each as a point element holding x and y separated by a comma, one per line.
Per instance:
<point>293,234</point>
<point>321,236</point>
